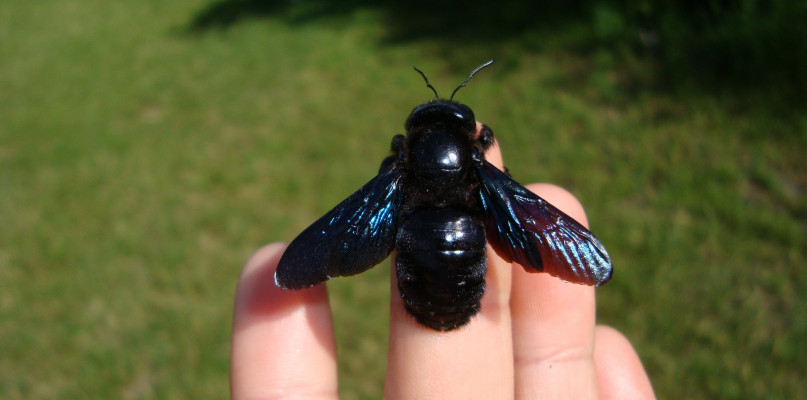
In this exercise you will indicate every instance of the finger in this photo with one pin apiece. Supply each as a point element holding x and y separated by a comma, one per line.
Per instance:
<point>472,362</point>
<point>553,325</point>
<point>282,344</point>
<point>620,374</point>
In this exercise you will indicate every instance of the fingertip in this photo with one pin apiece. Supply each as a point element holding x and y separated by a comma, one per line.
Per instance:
<point>620,373</point>
<point>263,262</point>
<point>282,341</point>
<point>257,295</point>
<point>561,198</point>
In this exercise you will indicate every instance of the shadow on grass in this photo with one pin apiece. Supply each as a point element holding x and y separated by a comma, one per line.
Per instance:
<point>462,34</point>
<point>223,14</point>
<point>754,50</point>
<point>406,21</point>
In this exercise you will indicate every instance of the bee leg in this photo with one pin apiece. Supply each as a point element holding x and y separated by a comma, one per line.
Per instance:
<point>397,144</point>
<point>486,137</point>
<point>397,149</point>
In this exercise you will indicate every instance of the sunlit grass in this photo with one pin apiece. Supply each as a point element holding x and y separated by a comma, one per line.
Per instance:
<point>140,164</point>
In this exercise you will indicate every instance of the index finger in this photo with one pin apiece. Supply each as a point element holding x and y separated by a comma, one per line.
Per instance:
<point>282,344</point>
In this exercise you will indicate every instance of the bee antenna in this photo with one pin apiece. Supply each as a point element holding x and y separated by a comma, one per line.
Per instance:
<point>436,96</point>
<point>471,75</point>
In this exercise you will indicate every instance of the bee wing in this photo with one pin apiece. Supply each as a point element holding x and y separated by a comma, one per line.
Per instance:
<point>356,235</point>
<point>524,228</point>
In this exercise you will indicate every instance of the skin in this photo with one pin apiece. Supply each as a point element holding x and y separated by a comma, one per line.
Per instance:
<point>534,338</point>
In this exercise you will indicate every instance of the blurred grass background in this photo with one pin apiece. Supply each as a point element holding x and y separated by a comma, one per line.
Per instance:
<point>148,147</point>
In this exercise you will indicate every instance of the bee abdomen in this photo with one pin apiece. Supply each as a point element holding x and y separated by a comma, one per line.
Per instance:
<point>441,266</point>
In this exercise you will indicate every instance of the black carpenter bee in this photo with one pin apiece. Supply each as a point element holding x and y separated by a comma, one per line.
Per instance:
<point>438,201</point>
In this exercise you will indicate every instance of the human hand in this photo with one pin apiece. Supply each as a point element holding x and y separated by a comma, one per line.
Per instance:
<point>535,337</point>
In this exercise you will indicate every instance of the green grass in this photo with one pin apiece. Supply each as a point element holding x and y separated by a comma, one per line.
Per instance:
<point>141,162</point>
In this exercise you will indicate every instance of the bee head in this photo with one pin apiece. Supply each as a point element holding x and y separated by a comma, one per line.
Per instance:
<point>446,113</point>
<point>441,111</point>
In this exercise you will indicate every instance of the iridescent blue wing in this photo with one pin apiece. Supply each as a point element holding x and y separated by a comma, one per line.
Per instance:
<point>524,228</point>
<point>356,235</point>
